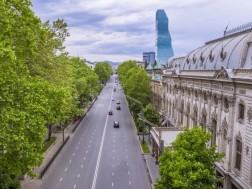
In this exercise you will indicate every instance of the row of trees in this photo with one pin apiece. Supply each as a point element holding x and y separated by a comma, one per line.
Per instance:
<point>40,86</point>
<point>103,70</point>
<point>189,164</point>
<point>136,85</point>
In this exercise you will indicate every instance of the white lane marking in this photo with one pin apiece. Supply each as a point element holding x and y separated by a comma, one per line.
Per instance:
<point>70,161</point>
<point>87,152</point>
<point>66,170</point>
<point>88,146</point>
<point>112,184</point>
<point>130,182</point>
<point>79,143</point>
<point>75,186</point>
<point>78,175</point>
<point>90,141</point>
<point>127,164</point>
<point>128,172</point>
<point>100,150</point>
<point>92,136</point>
<point>73,154</point>
<point>84,158</point>
<point>113,165</point>
<point>114,136</point>
<point>81,165</point>
<point>113,151</point>
<point>76,148</point>
<point>113,174</point>
<point>113,157</point>
<point>126,157</point>
<point>61,179</point>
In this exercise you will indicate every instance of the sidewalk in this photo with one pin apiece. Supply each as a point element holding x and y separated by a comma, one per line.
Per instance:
<point>152,167</point>
<point>35,183</point>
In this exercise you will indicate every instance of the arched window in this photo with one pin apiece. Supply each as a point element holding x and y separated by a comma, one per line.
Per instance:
<point>188,115</point>
<point>203,121</point>
<point>195,116</point>
<point>182,113</point>
<point>224,140</point>
<point>213,130</point>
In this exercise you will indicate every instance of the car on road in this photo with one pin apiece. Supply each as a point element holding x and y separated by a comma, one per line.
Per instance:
<point>113,99</point>
<point>114,89</point>
<point>110,112</point>
<point>118,102</point>
<point>118,107</point>
<point>116,124</point>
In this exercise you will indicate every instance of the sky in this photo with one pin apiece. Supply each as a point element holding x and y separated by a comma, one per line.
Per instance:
<point>121,30</point>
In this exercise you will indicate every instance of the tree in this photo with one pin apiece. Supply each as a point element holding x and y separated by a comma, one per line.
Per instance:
<point>190,163</point>
<point>103,70</point>
<point>151,114</point>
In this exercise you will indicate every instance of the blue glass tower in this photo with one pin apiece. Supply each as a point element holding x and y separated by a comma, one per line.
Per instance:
<point>163,42</point>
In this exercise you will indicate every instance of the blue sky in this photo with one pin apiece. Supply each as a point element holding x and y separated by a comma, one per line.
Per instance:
<point>120,30</point>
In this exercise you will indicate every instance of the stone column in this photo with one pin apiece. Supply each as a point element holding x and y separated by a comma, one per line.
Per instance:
<point>218,127</point>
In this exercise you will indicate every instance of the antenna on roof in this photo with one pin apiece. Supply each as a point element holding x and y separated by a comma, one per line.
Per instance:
<point>225,31</point>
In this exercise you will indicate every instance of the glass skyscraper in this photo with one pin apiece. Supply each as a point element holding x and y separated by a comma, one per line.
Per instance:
<point>163,42</point>
<point>149,57</point>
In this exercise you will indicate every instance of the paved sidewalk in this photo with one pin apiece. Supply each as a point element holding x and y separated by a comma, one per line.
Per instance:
<point>152,167</point>
<point>35,183</point>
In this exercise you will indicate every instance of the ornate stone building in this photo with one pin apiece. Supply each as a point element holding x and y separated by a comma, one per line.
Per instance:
<point>212,87</point>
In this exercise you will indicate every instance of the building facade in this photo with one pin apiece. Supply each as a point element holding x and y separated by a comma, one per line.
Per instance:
<point>212,87</point>
<point>163,39</point>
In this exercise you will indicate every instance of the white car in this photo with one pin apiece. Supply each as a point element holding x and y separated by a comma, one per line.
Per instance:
<point>113,99</point>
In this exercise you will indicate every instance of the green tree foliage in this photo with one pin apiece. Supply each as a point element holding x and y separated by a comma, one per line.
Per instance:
<point>151,114</point>
<point>39,86</point>
<point>103,70</point>
<point>190,163</point>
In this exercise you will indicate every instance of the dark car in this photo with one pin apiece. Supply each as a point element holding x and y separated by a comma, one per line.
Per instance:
<point>115,89</point>
<point>116,124</point>
<point>110,112</point>
<point>118,102</point>
<point>118,107</point>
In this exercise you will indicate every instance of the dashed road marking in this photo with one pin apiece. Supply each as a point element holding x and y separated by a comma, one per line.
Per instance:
<point>76,148</point>
<point>75,186</point>
<point>84,158</point>
<point>128,172</point>
<point>81,165</point>
<point>87,151</point>
<point>73,154</point>
<point>78,175</point>
<point>112,184</point>
<point>129,182</point>
<point>60,179</point>
<point>65,169</point>
<point>113,174</point>
<point>88,146</point>
<point>70,161</point>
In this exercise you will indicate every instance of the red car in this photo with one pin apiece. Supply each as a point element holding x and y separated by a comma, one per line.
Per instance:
<point>110,112</point>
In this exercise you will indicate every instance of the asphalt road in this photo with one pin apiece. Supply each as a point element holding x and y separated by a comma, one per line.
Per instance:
<point>99,156</point>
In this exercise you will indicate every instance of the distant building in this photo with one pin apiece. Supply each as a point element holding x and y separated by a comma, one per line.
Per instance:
<point>164,49</point>
<point>149,58</point>
<point>89,63</point>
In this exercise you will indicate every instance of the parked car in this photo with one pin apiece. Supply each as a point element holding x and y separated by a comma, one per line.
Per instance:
<point>118,102</point>
<point>110,112</point>
<point>118,107</point>
<point>116,124</point>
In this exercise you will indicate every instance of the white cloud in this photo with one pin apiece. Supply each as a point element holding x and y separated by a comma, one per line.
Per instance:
<point>114,30</point>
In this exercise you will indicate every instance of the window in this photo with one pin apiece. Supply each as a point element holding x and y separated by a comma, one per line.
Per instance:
<point>226,105</point>
<point>215,99</point>
<point>205,96</point>
<point>241,111</point>
<point>238,154</point>
<point>196,94</point>
<point>214,126</point>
